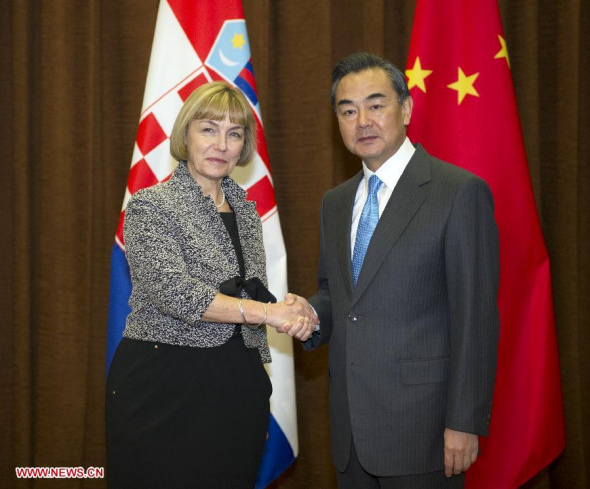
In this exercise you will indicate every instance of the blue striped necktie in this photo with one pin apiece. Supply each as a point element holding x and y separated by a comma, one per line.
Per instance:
<point>367,224</point>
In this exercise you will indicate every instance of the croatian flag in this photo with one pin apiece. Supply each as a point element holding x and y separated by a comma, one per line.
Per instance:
<point>197,41</point>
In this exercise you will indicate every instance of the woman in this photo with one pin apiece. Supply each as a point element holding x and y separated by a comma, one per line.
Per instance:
<point>187,394</point>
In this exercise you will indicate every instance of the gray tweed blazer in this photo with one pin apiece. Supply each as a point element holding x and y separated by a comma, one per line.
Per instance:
<point>179,252</point>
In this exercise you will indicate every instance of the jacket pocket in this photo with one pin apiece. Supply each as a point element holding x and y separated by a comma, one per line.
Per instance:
<point>425,371</point>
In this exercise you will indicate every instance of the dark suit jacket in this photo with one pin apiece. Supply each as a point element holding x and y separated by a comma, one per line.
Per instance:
<point>413,346</point>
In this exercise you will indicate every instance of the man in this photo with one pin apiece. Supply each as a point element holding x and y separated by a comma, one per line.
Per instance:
<point>408,279</point>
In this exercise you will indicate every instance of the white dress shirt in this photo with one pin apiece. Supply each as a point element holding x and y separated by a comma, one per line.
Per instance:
<point>389,173</point>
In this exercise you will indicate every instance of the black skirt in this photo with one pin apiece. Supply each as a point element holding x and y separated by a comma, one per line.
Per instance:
<point>181,417</point>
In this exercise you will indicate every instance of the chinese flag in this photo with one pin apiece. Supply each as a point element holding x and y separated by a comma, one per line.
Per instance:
<point>465,113</point>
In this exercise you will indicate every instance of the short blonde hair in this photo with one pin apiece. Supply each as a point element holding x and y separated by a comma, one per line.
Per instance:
<point>213,101</point>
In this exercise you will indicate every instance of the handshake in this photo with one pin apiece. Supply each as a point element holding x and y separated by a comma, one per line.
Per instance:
<point>294,316</point>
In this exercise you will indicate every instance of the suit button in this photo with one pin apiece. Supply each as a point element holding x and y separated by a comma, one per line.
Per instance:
<point>353,317</point>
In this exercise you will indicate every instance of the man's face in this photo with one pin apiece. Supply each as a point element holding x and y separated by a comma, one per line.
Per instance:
<point>371,120</point>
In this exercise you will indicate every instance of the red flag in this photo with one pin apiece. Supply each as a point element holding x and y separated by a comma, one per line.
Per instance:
<point>465,113</point>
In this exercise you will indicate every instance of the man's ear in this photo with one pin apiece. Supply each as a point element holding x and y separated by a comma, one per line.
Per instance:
<point>407,107</point>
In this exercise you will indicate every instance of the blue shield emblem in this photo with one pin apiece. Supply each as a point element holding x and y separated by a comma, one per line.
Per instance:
<point>230,57</point>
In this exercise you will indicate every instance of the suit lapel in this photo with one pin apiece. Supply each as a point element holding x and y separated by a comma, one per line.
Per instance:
<point>407,197</point>
<point>343,223</point>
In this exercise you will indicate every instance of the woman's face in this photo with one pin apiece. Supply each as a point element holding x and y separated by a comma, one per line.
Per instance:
<point>214,148</point>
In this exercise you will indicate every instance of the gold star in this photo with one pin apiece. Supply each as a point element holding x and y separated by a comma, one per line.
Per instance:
<point>503,53</point>
<point>464,86</point>
<point>417,75</point>
<point>238,40</point>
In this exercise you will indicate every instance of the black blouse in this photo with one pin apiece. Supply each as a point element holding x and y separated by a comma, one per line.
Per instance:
<point>229,219</point>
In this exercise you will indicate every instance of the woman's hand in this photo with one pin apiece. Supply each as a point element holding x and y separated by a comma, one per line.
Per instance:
<point>294,316</point>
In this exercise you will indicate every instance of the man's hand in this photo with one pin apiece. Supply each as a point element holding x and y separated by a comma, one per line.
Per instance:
<point>304,327</point>
<point>460,451</point>
<point>294,316</point>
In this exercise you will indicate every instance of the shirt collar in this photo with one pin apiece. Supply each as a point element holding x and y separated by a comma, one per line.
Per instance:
<point>391,171</point>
